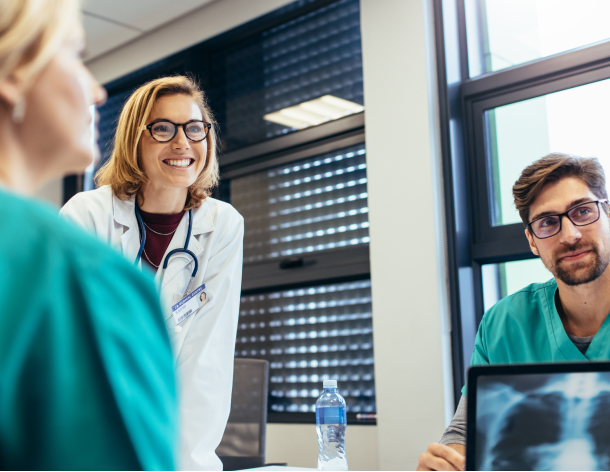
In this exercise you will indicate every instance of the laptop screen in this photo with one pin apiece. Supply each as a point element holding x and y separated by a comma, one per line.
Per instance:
<point>541,421</point>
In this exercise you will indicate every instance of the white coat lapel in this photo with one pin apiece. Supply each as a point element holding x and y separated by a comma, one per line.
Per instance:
<point>179,271</point>
<point>124,214</point>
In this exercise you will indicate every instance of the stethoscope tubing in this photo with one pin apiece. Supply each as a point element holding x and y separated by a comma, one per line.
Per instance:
<point>142,233</point>
<point>173,252</point>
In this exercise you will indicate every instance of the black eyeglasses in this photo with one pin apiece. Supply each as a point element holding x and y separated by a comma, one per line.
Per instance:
<point>164,130</point>
<point>580,215</point>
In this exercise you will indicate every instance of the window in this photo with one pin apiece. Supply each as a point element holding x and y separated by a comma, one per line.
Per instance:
<point>518,79</point>
<point>270,85</point>
<point>309,335</point>
<point>296,170</point>
<point>573,121</point>
<point>505,33</point>
<point>109,116</point>
<point>286,90</point>
<point>506,278</point>
<point>311,205</point>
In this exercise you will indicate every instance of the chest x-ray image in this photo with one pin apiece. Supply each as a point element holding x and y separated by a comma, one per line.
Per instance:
<point>543,422</point>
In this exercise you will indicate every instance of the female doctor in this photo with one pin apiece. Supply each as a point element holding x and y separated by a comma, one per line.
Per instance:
<point>153,205</point>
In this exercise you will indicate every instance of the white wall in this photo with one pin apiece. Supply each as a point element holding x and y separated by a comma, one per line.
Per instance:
<point>406,228</point>
<point>197,26</point>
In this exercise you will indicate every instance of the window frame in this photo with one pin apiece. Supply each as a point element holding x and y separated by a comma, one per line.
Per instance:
<point>472,240</point>
<point>476,104</point>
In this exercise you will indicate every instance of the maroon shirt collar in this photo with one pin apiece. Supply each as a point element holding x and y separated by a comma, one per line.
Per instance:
<point>161,219</point>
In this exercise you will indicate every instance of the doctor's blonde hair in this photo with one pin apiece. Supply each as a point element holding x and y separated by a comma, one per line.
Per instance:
<point>31,32</point>
<point>123,171</point>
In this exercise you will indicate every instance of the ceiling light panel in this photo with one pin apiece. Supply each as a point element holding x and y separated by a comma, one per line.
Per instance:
<point>314,112</point>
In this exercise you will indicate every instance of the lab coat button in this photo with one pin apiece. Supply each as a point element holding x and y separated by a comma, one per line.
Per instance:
<point>178,329</point>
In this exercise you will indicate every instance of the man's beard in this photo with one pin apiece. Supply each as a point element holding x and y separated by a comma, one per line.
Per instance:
<point>591,273</point>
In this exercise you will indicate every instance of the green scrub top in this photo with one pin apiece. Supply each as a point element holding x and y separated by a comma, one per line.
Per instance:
<point>86,375</point>
<point>525,328</point>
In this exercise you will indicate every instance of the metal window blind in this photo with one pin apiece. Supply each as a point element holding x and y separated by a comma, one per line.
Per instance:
<point>312,205</point>
<point>309,335</point>
<point>316,54</point>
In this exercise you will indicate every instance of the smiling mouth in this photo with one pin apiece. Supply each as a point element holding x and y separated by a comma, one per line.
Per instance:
<point>186,162</point>
<point>575,256</point>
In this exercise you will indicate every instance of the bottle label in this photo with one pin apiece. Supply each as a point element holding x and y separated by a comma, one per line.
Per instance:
<point>331,415</point>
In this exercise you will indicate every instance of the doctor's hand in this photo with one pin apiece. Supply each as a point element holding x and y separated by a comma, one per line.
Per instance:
<point>440,457</point>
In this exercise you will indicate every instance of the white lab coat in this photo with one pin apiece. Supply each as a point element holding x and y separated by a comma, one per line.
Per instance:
<point>204,347</point>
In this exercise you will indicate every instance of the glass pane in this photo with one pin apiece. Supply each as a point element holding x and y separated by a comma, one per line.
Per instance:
<point>309,335</point>
<point>505,33</point>
<point>573,121</point>
<point>501,280</point>
<point>311,205</point>
<point>268,86</point>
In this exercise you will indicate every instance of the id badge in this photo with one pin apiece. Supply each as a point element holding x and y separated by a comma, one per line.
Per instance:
<point>189,305</point>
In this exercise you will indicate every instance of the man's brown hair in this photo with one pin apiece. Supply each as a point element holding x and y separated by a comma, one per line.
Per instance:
<point>552,168</point>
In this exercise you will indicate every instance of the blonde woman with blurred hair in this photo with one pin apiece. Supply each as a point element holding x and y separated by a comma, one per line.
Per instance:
<point>154,206</point>
<point>78,390</point>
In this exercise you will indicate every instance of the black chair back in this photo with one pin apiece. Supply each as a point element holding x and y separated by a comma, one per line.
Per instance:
<point>243,443</point>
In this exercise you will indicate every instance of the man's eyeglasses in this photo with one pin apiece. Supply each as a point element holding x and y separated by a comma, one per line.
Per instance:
<point>581,215</point>
<point>164,130</point>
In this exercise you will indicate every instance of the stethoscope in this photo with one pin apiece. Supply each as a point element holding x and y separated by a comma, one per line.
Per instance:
<point>172,252</point>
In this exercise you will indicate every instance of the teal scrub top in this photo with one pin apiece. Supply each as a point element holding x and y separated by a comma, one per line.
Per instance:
<point>525,328</point>
<point>86,374</point>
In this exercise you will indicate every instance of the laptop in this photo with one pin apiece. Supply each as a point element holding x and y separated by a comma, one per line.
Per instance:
<point>539,417</point>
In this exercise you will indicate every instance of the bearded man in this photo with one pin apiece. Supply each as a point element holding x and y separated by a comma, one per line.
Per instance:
<point>563,203</point>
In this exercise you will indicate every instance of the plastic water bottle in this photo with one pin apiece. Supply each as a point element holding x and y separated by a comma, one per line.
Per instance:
<point>331,424</point>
